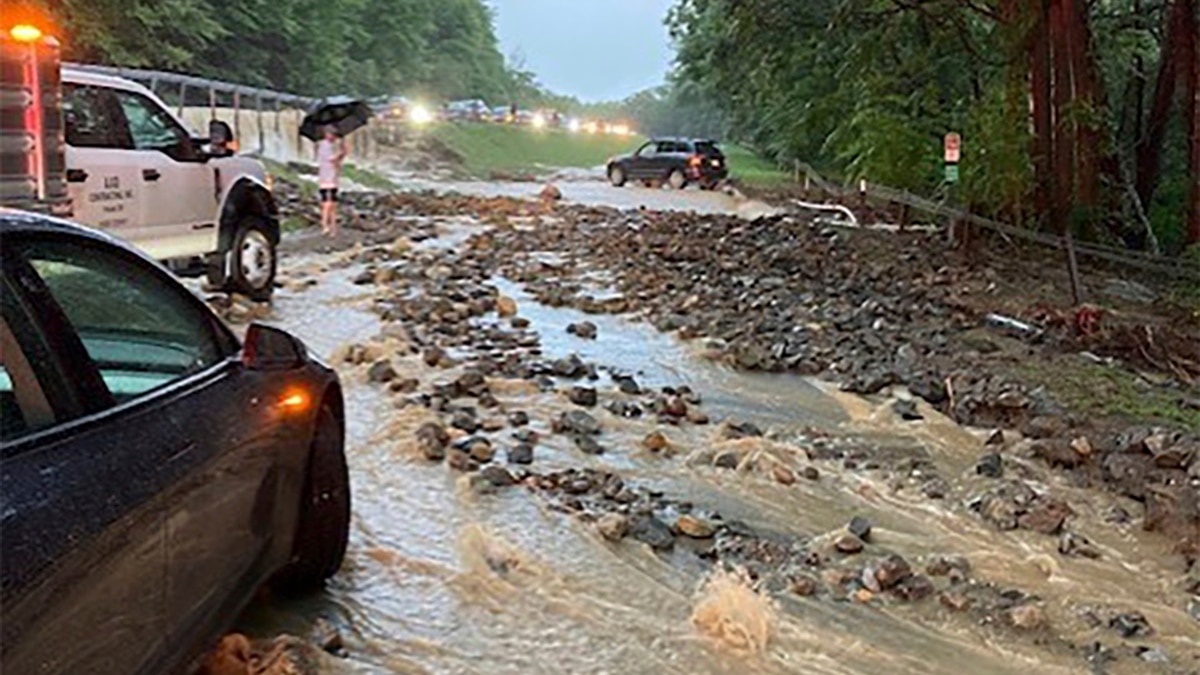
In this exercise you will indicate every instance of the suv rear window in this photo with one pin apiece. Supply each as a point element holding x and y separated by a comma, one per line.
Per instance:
<point>708,149</point>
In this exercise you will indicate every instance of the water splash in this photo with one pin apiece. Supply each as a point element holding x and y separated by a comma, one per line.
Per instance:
<point>732,612</point>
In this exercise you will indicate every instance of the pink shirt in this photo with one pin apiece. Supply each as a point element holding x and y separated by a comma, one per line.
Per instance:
<point>329,165</point>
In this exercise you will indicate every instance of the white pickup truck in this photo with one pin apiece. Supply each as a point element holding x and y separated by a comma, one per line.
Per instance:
<point>129,166</point>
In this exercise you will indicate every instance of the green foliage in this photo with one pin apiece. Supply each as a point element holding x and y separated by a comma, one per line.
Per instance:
<point>494,148</point>
<point>441,48</point>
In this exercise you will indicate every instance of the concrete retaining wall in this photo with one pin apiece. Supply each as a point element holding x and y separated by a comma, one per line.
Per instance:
<point>276,134</point>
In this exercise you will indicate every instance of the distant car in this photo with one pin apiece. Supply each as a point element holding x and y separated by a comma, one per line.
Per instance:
<point>474,110</point>
<point>155,470</point>
<point>390,107</point>
<point>674,160</point>
<point>502,115</point>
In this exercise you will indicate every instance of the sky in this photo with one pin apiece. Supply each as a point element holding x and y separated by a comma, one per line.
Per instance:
<point>596,50</point>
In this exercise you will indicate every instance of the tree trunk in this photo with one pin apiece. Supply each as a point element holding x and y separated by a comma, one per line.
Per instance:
<point>1041,152</point>
<point>1087,91</point>
<point>1150,146</point>
<point>1191,108</point>
<point>1063,141</point>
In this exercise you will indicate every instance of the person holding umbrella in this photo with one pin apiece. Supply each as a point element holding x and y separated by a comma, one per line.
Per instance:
<point>328,121</point>
<point>331,152</point>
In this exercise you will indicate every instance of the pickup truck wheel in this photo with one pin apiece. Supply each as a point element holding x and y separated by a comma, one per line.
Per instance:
<point>616,176</point>
<point>324,523</point>
<point>254,260</point>
<point>677,180</point>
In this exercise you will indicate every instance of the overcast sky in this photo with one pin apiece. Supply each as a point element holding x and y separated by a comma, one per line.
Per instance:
<point>597,50</point>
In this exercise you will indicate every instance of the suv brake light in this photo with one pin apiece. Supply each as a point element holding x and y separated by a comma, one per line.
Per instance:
<point>695,160</point>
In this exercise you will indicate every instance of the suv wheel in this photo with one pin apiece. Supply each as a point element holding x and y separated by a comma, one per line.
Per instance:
<point>616,175</point>
<point>677,180</point>
<point>254,260</point>
<point>324,524</point>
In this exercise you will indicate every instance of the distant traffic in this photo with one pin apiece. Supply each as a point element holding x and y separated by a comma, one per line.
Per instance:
<point>417,113</point>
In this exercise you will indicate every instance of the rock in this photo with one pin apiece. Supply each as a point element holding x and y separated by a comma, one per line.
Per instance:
<point>1177,456</point>
<point>465,420</point>
<point>1072,544</point>
<point>526,435</point>
<point>848,544</point>
<point>327,637</point>
<point>432,439</point>
<point>470,383</point>
<point>907,410</point>
<point>627,385</point>
<point>996,438</point>
<point>943,565</point>
<point>584,396</point>
<point>859,527</point>
<point>990,465</point>
<point>1045,426</point>
<point>522,453</point>
<point>506,306</point>
<point>1131,624</point>
<point>1057,452</point>
<point>405,386</point>
<point>889,571</point>
<point>655,441</point>
<point>736,430</point>
<point>1082,446</point>
<point>519,418</point>
<point>570,367</point>
<point>550,193</point>
<point>803,585</point>
<point>1046,515</point>
<point>811,473</point>
<point>434,356</point>
<point>935,488</point>
<point>696,528</point>
<point>1027,617</point>
<point>697,417</point>
<point>652,531</point>
<point>1153,654</point>
<point>588,445</point>
<point>626,409</point>
<point>783,475</point>
<point>727,459</point>
<point>461,461</point>
<point>584,329</point>
<point>613,526</point>
<point>479,448</point>
<point>955,601</point>
<point>381,371</point>
<point>914,588</point>
<point>497,475</point>
<point>675,406</point>
<point>519,322</point>
<point>576,422</point>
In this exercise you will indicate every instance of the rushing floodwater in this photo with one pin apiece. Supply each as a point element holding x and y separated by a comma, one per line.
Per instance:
<point>440,579</point>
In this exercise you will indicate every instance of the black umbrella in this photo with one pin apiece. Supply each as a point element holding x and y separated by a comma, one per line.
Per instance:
<point>344,113</point>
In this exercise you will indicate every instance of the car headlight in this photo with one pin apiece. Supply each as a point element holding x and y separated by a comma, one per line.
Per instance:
<point>419,114</point>
<point>539,120</point>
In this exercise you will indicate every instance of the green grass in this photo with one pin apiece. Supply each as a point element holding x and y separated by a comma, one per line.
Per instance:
<point>1097,390</point>
<point>285,174</point>
<point>368,178</point>
<point>490,149</point>
<point>750,169</point>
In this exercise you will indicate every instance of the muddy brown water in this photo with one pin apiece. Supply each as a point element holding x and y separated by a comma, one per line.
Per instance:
<point>440,579</point>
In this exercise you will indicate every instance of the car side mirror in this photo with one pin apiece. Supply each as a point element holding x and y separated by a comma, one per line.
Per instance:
<point>269,348</point>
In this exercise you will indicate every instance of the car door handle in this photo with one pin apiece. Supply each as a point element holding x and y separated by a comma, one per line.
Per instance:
<point>76,175</point>
<point>151,174</point>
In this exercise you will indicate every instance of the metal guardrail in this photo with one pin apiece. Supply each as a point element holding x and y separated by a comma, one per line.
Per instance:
<point>154,78</point>
<point>1175,267</point>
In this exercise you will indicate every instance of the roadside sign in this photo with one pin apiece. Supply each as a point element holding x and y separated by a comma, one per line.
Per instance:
<point>951,173</point>
<point>953,147</point>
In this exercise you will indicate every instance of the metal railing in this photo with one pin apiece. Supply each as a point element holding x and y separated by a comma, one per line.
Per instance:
<point>1176,267</point>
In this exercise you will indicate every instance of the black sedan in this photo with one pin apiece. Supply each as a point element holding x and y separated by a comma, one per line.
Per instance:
<point>154,472</point>
<point>676,161</point>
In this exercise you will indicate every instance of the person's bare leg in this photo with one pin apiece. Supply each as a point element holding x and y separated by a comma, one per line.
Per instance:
<point>334,229</point>
<point>325,217</point>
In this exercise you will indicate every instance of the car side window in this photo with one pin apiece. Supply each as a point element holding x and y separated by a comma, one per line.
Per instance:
<point>647,150</point>
<point>92,118</point>
<point>151,127</point>
<point>139,330</point>
<point>666,148</point>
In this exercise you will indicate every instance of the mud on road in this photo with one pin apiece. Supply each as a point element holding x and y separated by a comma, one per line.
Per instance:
<point>590,440</point>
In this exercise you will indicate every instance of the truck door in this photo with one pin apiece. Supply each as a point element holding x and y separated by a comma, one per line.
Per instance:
<point>103,185</point>
<point>178,187</point>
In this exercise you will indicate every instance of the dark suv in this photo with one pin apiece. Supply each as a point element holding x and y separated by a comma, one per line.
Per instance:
<point>677,161</point>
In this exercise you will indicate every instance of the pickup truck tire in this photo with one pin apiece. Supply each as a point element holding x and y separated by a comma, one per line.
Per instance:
<point>616,176</point>
<point>324,523</point>
<point>254,260</point>
<point>677,180</point>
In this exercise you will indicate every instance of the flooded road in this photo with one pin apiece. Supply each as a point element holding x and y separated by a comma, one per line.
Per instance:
<point>442,577</point>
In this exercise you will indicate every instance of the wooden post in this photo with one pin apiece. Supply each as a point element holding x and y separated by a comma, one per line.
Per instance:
<point>237,115</point>
<point>182,97</point>
<point>212,102</point>
<point>262,138</point>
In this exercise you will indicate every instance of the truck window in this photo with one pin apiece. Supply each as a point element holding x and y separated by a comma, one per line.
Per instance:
<point>92,118</point>
<point>152,128</point>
